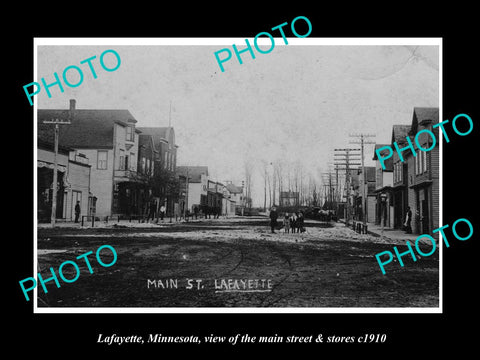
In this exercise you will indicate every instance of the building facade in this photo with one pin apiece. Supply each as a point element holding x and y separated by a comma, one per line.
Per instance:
<point>383,189</point>
<point>163,162</point>
<point>400,176</point>
<point>109,139</point>
<point>423,172</point>
<point>73,183</point>
<point>369,185</point>
<point>289,198</point>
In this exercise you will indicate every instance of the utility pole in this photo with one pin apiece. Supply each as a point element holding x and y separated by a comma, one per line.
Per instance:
<point>344,158</point>
<point>186,198</point>
<point>265,190</point>
<point>362,142</point>
<point>273,185</point>
<point>55,122</point>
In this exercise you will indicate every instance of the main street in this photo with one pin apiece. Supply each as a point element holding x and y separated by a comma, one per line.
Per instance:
<point>233,262</point>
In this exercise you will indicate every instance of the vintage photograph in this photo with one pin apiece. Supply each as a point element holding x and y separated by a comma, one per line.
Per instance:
<point>164,184</point>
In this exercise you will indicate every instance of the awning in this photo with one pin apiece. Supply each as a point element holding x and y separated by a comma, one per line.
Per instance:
<point>43,164</point>
<point>424,183</point>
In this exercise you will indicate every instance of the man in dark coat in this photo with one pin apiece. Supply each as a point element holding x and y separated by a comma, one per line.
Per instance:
<point>77,211</point>
<point>273,219</point>
<point>151,210</point>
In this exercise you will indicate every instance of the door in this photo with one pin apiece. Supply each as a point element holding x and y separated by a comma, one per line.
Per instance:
<point>76,196</point>
<point>424,218</point>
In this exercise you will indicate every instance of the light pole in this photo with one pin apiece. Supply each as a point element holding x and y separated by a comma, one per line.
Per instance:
<point>56,122</point>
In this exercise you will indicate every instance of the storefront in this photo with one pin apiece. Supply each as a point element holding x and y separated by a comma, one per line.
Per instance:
<point>45,192</point>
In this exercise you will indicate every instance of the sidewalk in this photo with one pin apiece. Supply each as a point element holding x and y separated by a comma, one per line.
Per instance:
<point>126,223</point>
<point>393,234</point>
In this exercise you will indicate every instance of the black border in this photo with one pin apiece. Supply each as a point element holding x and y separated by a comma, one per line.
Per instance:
<point>405,332</point>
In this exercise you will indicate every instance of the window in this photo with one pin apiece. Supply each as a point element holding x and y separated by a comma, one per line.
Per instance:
<point>148,166</point>
<point>421,165</point>
<point>102,160</point>
<point>142,164</point>
<point>121,165</point>
<point>129,133</point>
<point>133,164</point>
<point>424,162</point>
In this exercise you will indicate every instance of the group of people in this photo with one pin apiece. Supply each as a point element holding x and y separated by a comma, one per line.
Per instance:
<point>294,221</point>
<point>152,209</point>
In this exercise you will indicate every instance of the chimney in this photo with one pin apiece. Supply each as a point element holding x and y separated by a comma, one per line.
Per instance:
<point>72,108</point>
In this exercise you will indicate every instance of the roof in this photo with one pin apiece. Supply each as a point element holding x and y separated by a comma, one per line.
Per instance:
<point>400,133</point>
<point>426,113</point>
<point>423,114</point>
<point>159,134</point>
<point>388,163</point>
<point>234,189</point>
<point>194,172</point>
<point>383,152</point>
<point>88,128</point>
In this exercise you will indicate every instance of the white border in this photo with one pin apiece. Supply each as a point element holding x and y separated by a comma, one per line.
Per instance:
<point>228,42</point>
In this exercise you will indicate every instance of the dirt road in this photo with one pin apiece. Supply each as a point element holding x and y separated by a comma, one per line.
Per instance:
<point>209,263</point>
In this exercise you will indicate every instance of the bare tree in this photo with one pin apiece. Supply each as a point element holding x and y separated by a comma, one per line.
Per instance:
<point>248,184</point>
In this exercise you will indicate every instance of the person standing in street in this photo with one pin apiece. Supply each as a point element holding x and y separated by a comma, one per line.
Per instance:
<point>162,212</point>
<point>286,223</point>
<point>273,219</point>
<point>77,211</point>
<point>151,210</point>
<point>300,222</point>
<point>293,222</point>
<point>408,221</point>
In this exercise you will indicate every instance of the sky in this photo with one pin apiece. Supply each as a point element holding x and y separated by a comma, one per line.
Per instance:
<point>294,105</point>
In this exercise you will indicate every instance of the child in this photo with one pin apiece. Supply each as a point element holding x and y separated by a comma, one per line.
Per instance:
<point>293,222</point>
<point>286,223</point>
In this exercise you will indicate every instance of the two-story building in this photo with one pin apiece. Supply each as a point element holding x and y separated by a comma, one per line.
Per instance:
<point>109,139</point>
<point>237,196</point>
<point>197,186</point>
<point>366,185</point>
<point>423,172</point>
<point>383,188</point>
<point>164,151</point>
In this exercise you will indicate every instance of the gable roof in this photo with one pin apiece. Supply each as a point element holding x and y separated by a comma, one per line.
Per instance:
<point>388,163</point>
<point>423,114</point>
<point>378,146</point>
<point>159,134</point>
<point>234,189</point>
<point>194,172</point>
<point>88,128</point>
<point>145,140</point>
<point>400,133</point>
<point>426,113</point>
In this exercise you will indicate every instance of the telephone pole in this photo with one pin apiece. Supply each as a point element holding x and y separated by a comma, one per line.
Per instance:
<point>344,160</point>
<point>362,142</point>
<point>56,122</point>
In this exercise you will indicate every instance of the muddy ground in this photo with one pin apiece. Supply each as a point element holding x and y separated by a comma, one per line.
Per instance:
<point>328,266</point>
